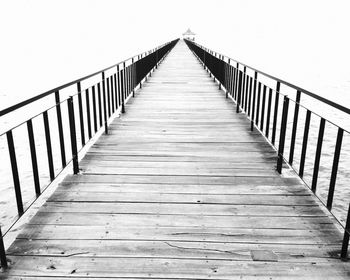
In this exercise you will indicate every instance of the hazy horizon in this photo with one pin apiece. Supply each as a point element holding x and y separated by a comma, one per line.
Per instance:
<point>48,43</point>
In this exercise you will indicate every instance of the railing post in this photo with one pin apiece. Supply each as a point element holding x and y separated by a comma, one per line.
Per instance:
<point>227,77</point>
<point>122,75</point>
<point>3,259</point>
<point>104,103</point>
<point>33,157</point>
<point>304,145</point>
<point>81,115</point>
<point>243,87</point>
<point>344,249</point>
<point>132,75</point>
<point>239,91</point>
<point>48,145</point>
<point>73,136</point>
<point>60,128</point>
<point>294,129</point>
<point>274,124</point>
<point>268,117</point>
<point>282,134</point>
<point>318,155</point>
<point>335,168</point>
<point>253,101</point>
<point>15,177</point>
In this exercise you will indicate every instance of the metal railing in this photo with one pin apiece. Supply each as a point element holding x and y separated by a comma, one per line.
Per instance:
<point>87,111</point>
<point>262,105</point>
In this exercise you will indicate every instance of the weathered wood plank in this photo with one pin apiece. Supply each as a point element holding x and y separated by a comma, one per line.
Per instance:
<point>165,220</point>
<point>171,249</point>
<point>185,180</point>
<point>187,209</point>
<point>208,234</point>
<point>229,199</point>
<point>252,188</point>
<point>173,268</point>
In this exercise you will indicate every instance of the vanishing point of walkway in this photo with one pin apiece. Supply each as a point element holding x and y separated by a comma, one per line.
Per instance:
<point>179,189</point>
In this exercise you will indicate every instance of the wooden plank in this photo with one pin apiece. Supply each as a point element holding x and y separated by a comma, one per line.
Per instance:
<point>189,233</point>
<point>172,249</point>
<point>186,209</point>
<point>185,180</point>
<point>165,220</point>
<point>241,172</point>
<point>173,268</point>
<point>185,198</point>
<point>257,189</point>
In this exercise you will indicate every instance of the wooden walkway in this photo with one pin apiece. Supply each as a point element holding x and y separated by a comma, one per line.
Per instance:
<point>179,189</point>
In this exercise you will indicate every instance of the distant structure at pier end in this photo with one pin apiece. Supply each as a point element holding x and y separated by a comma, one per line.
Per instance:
<point>189,35</point>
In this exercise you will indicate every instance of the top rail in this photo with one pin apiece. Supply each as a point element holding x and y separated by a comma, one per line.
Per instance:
<point>52,91</point>
<point>307,92</point>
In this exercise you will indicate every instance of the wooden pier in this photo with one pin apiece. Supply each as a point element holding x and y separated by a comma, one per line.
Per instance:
<point>180,188</point>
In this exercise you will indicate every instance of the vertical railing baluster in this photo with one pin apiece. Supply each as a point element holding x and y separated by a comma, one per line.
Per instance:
<point>254,101</point>
<point>116,91</point>
<point>294,129</point>
<point>268,117</point>
<point>94,108</point>
<point>345,245</point>
<point>132,75</point>
<point>3,260</point>
<point>304,145</point>
<point>99,103</point>
<point>73,135</point>
<point>112,93</point>
<point>318,155</point>
<point>88,116</point>
<point>81,115</point>
<point>243,87</point>
<point>48,145</point>
<point>33,157</point>
<point>227,77</point>
<point>335,168</point>
<point>119,87</point>
<point>124,83</point>
<point>250,96</point>
<point>258,105</point>
<point>282,134</point>
<point>246,92</point>
<point>129,80</point>
<point>60,129</point>
<point>240,78</point>
<point>236,81</point>
<point>274,124</point>
<point>104,103</point>
<point>122,89</point>
<point>14,167</point>
<point>263,105</point>
<point>108,98</point>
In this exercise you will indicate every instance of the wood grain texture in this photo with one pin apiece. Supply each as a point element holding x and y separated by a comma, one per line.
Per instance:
<point>180,188</point>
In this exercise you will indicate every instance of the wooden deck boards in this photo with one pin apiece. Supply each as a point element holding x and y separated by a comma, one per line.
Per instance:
<point>179,189</point>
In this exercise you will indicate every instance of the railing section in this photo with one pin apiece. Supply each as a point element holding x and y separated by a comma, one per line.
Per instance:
<point>77,118</point>
<point>278,117</point>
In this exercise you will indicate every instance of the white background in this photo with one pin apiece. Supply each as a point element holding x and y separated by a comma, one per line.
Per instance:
<point>48,43</point>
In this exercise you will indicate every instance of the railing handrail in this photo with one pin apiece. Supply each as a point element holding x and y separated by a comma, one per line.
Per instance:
<point>51,91</point>
<point>307,92</point>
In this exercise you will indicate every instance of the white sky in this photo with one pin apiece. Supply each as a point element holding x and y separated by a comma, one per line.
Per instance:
<point>47,43</point>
